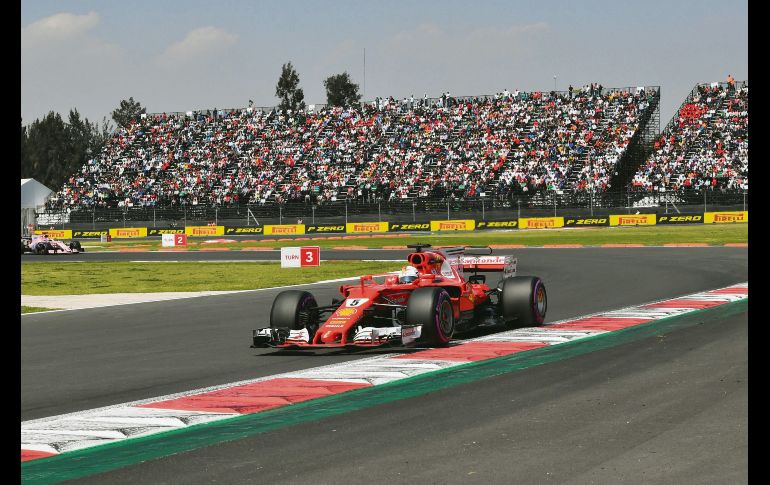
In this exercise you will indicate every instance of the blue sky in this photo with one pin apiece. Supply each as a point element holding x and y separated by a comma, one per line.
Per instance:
<point>177,56</point>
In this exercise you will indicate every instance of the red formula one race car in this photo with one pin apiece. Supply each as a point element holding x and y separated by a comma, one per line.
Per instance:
<point>426,304</point>
<point>42,244</point>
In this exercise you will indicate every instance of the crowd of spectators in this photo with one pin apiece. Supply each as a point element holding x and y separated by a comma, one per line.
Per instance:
<point>512,142</point>
<point>705,147</point>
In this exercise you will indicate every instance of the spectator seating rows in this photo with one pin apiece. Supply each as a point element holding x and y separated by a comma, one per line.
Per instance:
<point>704,147</point>
<point>506,144</point>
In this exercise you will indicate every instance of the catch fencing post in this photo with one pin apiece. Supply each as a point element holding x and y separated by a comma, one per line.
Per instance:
<point>379,213</point>
<point>280,214</point>
<point>518,202</point>
<point>153,216</point>
<point>447,210</point>
<point>313,214</point>
<point>216,216</point>
<point>346,211</point>
<point>413,216</point>
<point>704,200</point>
<point>93,219</point>
<point>744,202</point>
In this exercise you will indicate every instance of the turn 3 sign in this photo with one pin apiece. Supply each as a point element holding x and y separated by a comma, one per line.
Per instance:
<point>300,257</point>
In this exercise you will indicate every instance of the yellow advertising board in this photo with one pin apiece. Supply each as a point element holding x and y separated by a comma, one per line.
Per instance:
<point>284,229</point>
<point>632,220</point>
<point>204,230</point>
<point>540,222</point>
<point>56,233</point>
<point>125,232</point>
<point>359,227</point>
<point>455,225</point>
<point>725,217</point>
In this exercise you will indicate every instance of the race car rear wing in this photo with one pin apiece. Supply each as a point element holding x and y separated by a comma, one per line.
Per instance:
<point>481,259</point>
<point>506,264</point>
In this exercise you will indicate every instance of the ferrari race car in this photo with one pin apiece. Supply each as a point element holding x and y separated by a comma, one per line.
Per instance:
<point>42,244</point>
<point>429,302</point>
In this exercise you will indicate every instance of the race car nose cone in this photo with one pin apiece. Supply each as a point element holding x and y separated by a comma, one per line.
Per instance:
<point>330,337</point>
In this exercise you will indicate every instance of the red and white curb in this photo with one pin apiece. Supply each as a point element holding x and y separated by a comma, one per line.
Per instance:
<point>84,429</point>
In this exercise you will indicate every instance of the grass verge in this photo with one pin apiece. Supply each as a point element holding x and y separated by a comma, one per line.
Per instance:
<point>712,234</point>
<point>125,277</point>
<point>33,309</point>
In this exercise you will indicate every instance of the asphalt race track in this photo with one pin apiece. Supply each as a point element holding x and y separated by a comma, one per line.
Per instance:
<point>668,409</point>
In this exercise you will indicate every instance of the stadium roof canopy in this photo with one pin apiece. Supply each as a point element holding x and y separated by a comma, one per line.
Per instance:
<point>33,193</point>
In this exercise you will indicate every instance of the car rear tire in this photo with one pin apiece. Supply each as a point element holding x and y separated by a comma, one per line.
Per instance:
<point>41,248</point>
<point>432,308</point>
<point>75,246</point>
<point>291,309</point>
<point>523,301</point>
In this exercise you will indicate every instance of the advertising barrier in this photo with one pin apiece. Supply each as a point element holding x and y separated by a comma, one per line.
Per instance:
<point>360,227</point>
<point>324,228</point>
<point>205,230</point>
<point>457,225</point>
<point>575,221</point>
<point>679,219</point>
<point>411,226</point>
<point>540,222</point>
<point>726,217</point>
<point>234,230</point>
<point>632,220</point>
<point>160,232</point>
<point>498,224</point>
<point>128,232</point>
<point>284,229</point>
<point>89,234</point>
<point>56,233</point>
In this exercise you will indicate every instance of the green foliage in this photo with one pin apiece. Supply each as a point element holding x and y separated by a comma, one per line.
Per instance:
<point>340,90</point>
<point>127,111</point>
<point>292,96</point>
<point>52,150</point>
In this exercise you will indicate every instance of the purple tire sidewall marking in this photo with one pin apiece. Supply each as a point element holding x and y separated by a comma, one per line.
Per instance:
<point>540,318</point>
<point>439,331</point>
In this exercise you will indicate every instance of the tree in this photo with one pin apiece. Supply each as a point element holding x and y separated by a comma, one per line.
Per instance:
<point>292,96</point>
<point>340,90</point>
<point>127,111</point>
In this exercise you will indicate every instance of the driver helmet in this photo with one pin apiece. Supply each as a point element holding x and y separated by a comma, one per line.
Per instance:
<point>407,274</point>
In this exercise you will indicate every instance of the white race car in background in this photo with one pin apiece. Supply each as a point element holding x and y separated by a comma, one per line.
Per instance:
<point>42,244</point>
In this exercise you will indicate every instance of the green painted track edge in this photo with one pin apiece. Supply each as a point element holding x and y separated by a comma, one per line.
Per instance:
<point>100,459</point>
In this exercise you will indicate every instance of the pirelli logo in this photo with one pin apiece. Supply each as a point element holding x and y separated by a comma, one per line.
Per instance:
<point>459,225</point>
<point>87,234</point>
<point>125,232</point>
<point>729,218</point>
<point>243,230</point>
<point>726,217</point>
<point>204,230</point>
<point>285,229</point>
<point>510,224</point>
<point>56,233</point>
<point>366,227</point>
<point>541,222</point>
<point>632,220</point>
<point>160,232</point>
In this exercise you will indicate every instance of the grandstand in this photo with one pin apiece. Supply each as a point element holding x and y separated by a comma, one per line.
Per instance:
<point>704,146</point>
<point>500,147</point>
